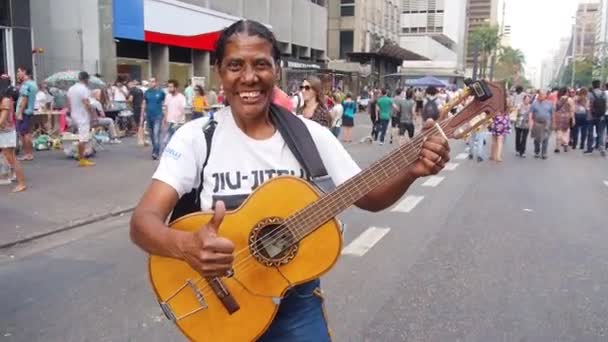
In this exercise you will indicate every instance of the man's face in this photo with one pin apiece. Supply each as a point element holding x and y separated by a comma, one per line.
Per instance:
<point>20,74</point>
<point>542,95</point>
<point>153,83</point>
<point>171,88</point>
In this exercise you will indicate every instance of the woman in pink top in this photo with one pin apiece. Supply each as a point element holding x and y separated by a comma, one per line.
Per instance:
<point>8,141</point>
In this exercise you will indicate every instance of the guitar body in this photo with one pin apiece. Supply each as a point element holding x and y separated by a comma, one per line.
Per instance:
<point>258,282</point>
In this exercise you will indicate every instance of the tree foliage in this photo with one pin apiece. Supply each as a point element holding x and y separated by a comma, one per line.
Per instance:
<point>486,39</point>
<point>510,66</point>
<point>583,73</point>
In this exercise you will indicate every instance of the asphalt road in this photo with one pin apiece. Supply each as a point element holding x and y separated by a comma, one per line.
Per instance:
<point>492,252</point>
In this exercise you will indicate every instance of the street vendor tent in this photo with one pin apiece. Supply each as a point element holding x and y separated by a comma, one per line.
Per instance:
<point>427,81</point>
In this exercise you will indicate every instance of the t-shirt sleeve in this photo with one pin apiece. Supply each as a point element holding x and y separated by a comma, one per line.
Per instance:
<point>181,162</point>
<point>339,164</point>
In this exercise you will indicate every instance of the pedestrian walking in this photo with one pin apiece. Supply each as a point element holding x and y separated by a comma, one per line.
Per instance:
<point>25,111</point>
<point>564,116</point>
<point>522,125</point>
<point>314,104</point>
<point>154,98</point>
<point>175,110</point>
<point>581,113</point>
<point>199,103</point>
<point>336,112</point>
<point>348,118</point>
<point>8,142</point>
<point>81,113</point>
<point>385,111</point>
<point>499,128</point>
<point>407,111</point>
<point>542,115</point>
<point>597,119</point>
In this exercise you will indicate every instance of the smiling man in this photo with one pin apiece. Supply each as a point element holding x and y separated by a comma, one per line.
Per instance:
<point>247,150</point>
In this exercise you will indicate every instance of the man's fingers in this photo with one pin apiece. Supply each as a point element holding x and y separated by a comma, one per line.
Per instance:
<point>428,124</point>
<point>218,216</point>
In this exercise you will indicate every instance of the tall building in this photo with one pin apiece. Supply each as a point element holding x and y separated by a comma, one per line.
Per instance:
<point>479,12</point>
<point>601,42</point>
<point>585,28</point>
<point>436,30</point>
<point>168,38</point>
<point>366,32</point>
<point>15,36</point>
<point>360,26</point>
<point>546,73</point>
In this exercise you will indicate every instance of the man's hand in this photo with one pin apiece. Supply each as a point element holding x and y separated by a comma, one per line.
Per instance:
<point>207,253</point>
<point>434,154</point>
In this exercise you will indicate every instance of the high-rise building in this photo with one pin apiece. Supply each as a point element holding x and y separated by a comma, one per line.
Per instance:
<point>15,37</point>
<point>479,12</point>
<point>360,26</point>
<point>366,32</point>
<point>585,28</point>
<point>435,29</point>
<point>168,38</point>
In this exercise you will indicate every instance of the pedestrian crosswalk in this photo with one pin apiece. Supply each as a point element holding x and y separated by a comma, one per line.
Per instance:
<point>408,203</point>
<point>433,181</point>
<point>364,242</point>
<point>361,244</point>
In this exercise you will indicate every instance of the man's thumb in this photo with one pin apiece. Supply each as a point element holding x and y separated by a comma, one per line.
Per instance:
<point>218,216</point>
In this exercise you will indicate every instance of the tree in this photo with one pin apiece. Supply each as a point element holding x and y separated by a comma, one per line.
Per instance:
<point>583,76</point>
<point>510,65</point>
<point>486,38</point>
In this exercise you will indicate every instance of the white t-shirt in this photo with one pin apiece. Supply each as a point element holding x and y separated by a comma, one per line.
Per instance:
<point>336,115</point>
<point>118,93</point>
<point>78,111</point>
<point>42,99</point>
<point>238,164</point>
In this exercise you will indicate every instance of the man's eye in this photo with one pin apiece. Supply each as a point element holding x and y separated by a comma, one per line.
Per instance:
<point>234,65</point>
<point>262,64</point>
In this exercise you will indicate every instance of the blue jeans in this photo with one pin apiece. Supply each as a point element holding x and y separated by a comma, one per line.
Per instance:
<point>580,128</point>
<point>383,123</point>
<point>154,124</point>
<point>476,147</point>
<point>171,129</point>
<point>599,124</point>
<point>301,317</point>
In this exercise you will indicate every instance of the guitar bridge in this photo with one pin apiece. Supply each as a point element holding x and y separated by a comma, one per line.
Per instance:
<point>200,298</point>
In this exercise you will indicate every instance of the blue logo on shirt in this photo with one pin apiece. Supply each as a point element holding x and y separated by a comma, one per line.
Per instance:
<point>171,153</point>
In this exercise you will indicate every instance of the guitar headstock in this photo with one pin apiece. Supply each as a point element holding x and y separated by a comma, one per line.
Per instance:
<point>489,100</point>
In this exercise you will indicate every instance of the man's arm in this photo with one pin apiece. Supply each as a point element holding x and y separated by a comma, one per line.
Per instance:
<point>427,164</point>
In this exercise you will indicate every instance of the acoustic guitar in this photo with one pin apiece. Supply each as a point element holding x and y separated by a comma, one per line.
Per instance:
<point>286,234</point>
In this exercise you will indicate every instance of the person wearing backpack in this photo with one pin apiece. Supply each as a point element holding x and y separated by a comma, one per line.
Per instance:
<point>227,159</point>
<point>430,109</point>
<point>597,109</point>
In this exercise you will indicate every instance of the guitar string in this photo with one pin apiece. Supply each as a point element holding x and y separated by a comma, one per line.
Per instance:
<point>246,267</point>
<point>325,210</point>
<point>394,153</point>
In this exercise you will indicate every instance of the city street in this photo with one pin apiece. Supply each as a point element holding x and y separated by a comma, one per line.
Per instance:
<point>514,251</point>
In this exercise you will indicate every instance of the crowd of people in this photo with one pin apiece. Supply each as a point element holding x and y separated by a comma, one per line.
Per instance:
<point>125,106</point>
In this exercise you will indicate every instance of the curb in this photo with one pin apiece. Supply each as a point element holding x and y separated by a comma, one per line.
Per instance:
<point>74,224</point>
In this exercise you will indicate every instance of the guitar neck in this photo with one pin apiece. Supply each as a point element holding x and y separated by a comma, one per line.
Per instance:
<point>330,205</point>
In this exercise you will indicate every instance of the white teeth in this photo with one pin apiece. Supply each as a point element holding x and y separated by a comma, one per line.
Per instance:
<point>250,94</point>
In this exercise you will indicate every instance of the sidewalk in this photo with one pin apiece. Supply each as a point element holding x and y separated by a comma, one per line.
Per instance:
<point>60,194</point>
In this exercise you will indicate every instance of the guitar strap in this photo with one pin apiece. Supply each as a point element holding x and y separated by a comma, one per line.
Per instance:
<point>298,140</point>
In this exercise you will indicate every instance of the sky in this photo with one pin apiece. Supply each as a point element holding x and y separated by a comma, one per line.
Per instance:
<point>538,25</point>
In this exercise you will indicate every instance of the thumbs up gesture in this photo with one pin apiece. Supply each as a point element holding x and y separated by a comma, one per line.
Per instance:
<point>206,252</point>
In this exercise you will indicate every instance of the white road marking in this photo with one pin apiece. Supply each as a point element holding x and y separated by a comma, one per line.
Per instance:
<point>450,166</point>
<point>408,203</point>
<point>365,241</point>
<point>433,181</point>
<point>528,210</point>
<point>461,156</point>
<point>606,182</point>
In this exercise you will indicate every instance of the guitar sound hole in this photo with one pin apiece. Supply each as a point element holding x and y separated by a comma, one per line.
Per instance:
<point>272,244</point>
